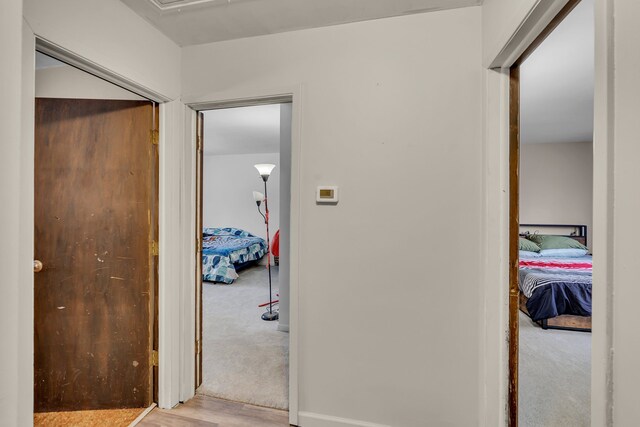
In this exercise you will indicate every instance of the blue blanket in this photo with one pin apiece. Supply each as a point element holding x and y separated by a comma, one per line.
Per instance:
<point>224,249</point>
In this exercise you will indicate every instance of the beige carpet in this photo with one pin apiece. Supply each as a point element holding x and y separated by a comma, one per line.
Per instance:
<point>245,359</point>
<point>555,377</point>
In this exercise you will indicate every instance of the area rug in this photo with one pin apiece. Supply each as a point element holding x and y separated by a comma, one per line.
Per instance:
<point>245,358</point>
<point>106,417</point>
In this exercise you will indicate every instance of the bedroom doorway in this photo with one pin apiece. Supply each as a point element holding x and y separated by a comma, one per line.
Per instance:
<point>550,210</point>
<point>243,271</point>
<point>95,272</point>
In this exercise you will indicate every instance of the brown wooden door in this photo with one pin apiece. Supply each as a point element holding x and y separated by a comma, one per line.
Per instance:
<point>95,219</point>
<point>199,203</point>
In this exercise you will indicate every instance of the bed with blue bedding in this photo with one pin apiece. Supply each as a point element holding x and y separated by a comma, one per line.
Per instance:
<point>226,250</point>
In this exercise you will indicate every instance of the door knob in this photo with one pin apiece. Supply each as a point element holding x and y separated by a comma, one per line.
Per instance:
<point>37,266</point>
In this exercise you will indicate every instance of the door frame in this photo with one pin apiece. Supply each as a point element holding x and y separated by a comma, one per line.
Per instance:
<point>497,370</point>
<point>167,173</point>
<point>236,99</point>
<point>514,207</point>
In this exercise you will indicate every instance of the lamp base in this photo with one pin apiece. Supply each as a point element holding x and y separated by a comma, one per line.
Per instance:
<point>270,316</point>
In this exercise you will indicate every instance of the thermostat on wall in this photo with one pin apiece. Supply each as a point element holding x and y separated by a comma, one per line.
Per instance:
<point>327,194</point>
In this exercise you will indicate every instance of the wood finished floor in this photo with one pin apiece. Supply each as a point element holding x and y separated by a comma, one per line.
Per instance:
<point>211,412</point>
<point>108,417</point>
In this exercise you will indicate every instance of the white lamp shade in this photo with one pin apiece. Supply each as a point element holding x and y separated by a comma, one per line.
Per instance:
<point>258,196</point>
<point>264,169</point>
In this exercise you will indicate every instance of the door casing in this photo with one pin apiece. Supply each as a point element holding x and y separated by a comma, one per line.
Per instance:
<point>236,99</point>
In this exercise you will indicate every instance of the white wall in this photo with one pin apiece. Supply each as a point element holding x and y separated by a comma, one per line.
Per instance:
<point>108,33</point>
<point>390,110</point>
<point>16,382</point>
<point>556,184</point>
<point>228,185</point>
<point>69,82</point>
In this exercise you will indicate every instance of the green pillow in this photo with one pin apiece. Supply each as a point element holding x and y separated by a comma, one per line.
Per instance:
<point>528,245</point>
<point>556,242</point>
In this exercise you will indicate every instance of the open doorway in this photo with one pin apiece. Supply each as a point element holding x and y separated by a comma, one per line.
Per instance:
<point>96,211</point>
<point>244,284</point>
<point>551,210</point>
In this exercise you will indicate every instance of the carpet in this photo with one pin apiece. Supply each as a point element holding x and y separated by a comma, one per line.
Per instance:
<point>245,358</point>
<point>554,377</point>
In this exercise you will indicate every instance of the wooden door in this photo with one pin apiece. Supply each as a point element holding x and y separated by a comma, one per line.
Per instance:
<point>199,195</point>
<point>95,224</point>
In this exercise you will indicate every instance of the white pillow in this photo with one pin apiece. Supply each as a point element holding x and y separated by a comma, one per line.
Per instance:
<point>529,254</point>
<point>563,253</point>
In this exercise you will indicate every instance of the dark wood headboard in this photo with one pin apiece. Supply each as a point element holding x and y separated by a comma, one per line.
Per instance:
<point>577,232</point>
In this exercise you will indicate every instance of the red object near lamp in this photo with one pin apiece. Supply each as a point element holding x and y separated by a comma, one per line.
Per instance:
<point>275,246</point>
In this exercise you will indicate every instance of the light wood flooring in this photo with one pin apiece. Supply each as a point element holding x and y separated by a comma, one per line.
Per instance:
<point>212,412</point>
<point>108,417</point>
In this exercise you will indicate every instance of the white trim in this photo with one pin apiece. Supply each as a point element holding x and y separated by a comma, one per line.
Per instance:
<point>311,419</point>
<point>236,98</point>
<point>602,399</point>
<point>494,350</point>
<point>535,22</point>
<point>170,263</point>
<point>494,355</point>
<point>142,415</point>
<point>188,288</point>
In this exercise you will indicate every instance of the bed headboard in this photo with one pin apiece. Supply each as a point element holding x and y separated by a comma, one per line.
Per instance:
<point>577,232</point>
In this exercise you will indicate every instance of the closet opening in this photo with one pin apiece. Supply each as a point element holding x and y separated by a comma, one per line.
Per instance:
<point>95,244</point>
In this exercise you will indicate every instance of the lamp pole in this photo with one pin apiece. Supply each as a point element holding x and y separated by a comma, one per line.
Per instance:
<point>269,315</point>
<point>264,169</point>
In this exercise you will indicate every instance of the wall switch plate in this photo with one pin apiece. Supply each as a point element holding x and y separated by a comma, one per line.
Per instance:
<point>327,194</point>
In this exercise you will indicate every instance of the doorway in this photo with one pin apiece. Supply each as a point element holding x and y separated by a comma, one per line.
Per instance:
<point>243,269</point>
<point>96,211</point>
<point>550,289</point>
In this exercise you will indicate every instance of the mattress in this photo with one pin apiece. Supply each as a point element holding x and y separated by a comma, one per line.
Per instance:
<point>226,249</point>
<point>556,286</point>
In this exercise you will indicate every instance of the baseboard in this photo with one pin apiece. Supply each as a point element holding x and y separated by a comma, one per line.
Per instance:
<point>283,328</point>
<point>310,419</point>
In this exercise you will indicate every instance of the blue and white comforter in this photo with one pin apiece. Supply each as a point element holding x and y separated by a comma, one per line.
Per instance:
<point>225,248</point>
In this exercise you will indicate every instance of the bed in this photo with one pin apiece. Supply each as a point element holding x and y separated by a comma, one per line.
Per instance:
<point>555,285</point>
<point>225,251</point>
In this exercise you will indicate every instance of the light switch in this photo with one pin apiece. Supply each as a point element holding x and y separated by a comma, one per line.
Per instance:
<point>327,194</point>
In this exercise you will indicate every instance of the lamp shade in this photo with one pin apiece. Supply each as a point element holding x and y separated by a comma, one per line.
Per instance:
<point>264,169</point>
<point>258,196</point>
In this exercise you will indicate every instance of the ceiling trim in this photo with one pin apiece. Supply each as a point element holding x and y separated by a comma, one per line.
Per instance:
<point>166,5</point>
<point>243,102</point>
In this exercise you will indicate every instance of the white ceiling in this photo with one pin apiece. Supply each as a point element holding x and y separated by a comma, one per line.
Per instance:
<point>44,61</point>
<point>242,130</point>
<point>556,83</point>
<point>189,22</point>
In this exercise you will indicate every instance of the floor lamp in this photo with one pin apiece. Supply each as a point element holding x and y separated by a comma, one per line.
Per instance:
<point>265,170</point>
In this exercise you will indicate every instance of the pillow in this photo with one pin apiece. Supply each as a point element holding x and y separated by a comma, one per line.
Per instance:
<point>528,254</point>
<point>556,242</point>
<point>563,253</point>
<point>528,245</point>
